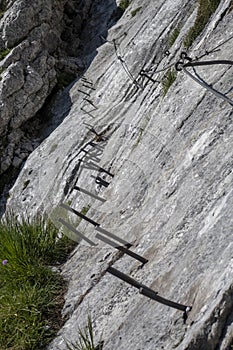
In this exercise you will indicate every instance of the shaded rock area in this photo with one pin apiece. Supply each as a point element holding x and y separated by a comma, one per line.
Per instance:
<point>171,193</point>
<point>42,50</point>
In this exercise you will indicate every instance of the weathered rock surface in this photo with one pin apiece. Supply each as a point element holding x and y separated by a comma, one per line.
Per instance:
<point>43,39</point>
<point>28,71</point>
<point>171,194</point>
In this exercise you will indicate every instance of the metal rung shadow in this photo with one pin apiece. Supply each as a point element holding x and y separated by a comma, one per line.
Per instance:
<point>86,81</point>
<point>84,92</point>
<point>88,112</point>
<point>79,234</point>
<point>144,74</point>
<point>90,102</point>
<point>87,86</point>
<point>105,232</point>
<point>91,143</point>
<point>122,249</point>
<point>89,158</point>
<point>89,194</point>
<point>96,167</point>
<point>97,226</point>
<point>144,290</point>
<point>118,239</point>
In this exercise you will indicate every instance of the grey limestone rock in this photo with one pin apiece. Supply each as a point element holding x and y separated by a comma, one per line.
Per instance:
<point>171,194</point>
<point>28,71</point>
<point>43,40</point>
<point>31,31</point>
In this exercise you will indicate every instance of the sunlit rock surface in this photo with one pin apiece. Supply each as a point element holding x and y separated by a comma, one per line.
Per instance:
<point>171,194</point>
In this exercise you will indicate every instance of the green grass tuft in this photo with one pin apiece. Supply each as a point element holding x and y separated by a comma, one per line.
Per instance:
<point>4,53</point>
<point>134,12</point>
<point>124,4</point>
<point>30,291</point>
<point>85,209</point>
<point>205,10</point>
<point>173,36</point>
<point>53,148</point>
<point>86,339</point>
<point>168,80</point>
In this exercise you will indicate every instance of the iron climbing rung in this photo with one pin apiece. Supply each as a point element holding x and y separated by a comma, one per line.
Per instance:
<point>122,249</point>
<point>144,290</point>
<point>65,206</point>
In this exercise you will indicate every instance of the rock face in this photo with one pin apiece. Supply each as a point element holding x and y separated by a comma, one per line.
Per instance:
<point>39,46</point>
<point>28,71</point>
<point>171,194</point>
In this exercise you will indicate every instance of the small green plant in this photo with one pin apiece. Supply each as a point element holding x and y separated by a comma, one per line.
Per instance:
<point>53,148</point>
<point>30,291</point>
<point>134,12</point>
<point>138,138</point>
<point>205,9</point>
<point>124,4</point>
<point>25,185</point>
<point>173,36</point>
<point>168,80</point>
<point>86,339</point>
<point>85,209</point>
<point>4,53</point>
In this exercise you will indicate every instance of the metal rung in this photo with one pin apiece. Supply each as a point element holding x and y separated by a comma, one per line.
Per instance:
<point>106,171</point>
<point>100,181</point>
<point>150,294</point>
<point>122,249</point>
<point>84,92</point>
<point>88,112</point>
<point>91,103</point>
<point>79,214</point>
<point>86,80</point>
<point>126,278</point>
<point>144,290</point>
<point>89,87</point>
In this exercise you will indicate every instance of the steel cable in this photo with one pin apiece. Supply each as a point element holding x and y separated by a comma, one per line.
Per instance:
<point>207,86</point>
